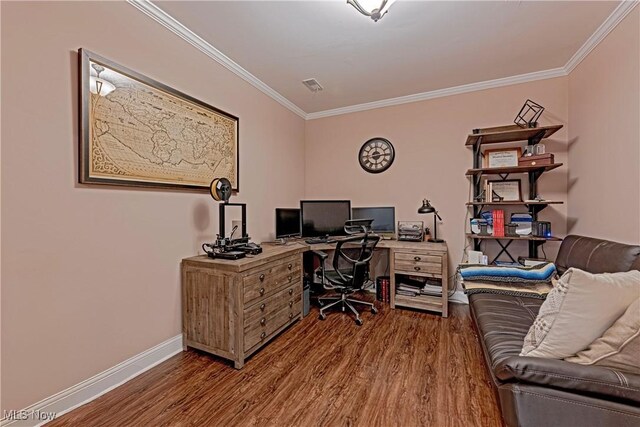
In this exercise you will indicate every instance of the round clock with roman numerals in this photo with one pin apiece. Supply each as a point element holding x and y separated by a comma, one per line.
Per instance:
<point>376,155</point>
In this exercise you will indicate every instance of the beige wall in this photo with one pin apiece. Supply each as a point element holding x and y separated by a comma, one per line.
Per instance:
<point>90,275</point>
<point>604,134</point>
<point>431,158</point>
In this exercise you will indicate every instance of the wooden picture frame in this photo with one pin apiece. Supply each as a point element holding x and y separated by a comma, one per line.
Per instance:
<point>509,189</point>
<point>146,134</point>
<point>501,157</point>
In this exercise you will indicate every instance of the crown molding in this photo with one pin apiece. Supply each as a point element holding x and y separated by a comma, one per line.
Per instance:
<point>603,30</point>
<point>456,90</point>
<point>205,47</point>
<point>198,42</point>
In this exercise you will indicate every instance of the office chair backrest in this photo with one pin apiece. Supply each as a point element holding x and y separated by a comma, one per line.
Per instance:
<point>363,246</point>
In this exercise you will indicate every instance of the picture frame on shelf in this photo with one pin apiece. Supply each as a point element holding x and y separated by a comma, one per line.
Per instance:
<point>509,190</point>
<point>502,157</point>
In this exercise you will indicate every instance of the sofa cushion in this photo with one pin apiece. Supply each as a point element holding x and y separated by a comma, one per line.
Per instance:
<point>618,347</point>
<point>559,374</point>
<point>578,310</point>
<point>502,322</point>
<point>596,255</point>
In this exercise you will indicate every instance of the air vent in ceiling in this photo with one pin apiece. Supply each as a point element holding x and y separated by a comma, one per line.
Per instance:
<point>312,85</point>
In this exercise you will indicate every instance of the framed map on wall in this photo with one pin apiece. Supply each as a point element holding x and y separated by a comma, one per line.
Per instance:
<point>136,131</point>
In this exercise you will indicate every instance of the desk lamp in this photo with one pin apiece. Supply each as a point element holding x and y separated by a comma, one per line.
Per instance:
<point>427,208</point>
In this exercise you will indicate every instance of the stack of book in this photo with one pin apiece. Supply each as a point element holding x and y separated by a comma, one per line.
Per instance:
<point>413,288</point>
<point>382,289</point>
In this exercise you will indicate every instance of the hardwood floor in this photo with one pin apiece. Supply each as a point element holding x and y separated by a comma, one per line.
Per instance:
<point>401,368</point>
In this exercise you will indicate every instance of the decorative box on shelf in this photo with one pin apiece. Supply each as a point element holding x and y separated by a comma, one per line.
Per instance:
<point>536,160</point>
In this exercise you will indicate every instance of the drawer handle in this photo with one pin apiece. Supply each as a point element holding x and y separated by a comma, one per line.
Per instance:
<point>290,303</point>
<point>262,277</point>
<point>416,268</point>
<point>290,266</point>
<point>262,307</point>
<point>261,291</point>
<point>290,277</point>
<point>290,315</point>
<point>262,335</point>
<point>263,321</point>
<point>290,291</point>
<point>417,258</point>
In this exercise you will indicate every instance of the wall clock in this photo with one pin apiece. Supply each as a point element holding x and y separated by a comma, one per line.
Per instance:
<point>376,155</point>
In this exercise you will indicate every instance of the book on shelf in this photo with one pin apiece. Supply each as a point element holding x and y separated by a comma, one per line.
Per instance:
<point>498,222</point>
<point>414,289</point>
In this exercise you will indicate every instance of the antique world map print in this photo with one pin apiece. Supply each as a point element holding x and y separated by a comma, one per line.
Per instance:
<point>141,134</point>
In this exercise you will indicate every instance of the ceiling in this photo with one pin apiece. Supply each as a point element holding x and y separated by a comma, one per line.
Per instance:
<point>419,46</point>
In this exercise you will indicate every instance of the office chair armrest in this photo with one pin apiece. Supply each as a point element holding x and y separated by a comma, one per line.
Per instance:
<point>322,255</point>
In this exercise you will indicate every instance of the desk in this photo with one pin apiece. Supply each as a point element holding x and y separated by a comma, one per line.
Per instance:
<point>234,308</point>
<point>410,258</point>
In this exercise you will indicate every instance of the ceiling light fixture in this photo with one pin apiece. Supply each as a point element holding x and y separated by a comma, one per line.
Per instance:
<point>375,9</point>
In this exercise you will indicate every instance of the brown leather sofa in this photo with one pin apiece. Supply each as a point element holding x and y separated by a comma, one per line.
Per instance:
<point>544,392</point>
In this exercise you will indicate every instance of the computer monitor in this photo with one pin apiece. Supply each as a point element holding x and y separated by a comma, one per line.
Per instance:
<point>384,218</point>
<point>287,222</point>
<point>324,217</point>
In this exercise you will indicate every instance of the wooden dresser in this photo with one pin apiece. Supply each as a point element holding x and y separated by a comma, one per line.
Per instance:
<point>233,308</point>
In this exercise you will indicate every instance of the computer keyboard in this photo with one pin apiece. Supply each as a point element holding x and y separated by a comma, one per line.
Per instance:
<point>318,240</point>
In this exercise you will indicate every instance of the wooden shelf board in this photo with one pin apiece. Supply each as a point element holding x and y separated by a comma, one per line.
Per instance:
<point>547,239</point>
<point>509,133</point>
<point>513,169</point>
<point>423,302</point>
<point>541,203</point>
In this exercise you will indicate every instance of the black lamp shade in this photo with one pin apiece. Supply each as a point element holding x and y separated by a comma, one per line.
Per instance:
<point>426,207</point>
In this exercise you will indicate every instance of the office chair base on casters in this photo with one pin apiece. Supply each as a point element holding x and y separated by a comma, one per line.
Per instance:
<point>344,303</point>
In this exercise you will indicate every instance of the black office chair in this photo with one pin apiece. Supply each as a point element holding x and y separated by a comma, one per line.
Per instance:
<point>357,251</point>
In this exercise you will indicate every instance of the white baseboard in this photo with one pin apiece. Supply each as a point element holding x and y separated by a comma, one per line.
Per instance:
<point>60,403</point>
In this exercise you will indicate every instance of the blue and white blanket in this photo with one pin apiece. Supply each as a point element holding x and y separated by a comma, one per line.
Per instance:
<point>541,273</point>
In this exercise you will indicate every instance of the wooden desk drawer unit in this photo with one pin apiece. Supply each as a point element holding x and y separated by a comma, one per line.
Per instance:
<point>233,308</point>
<point>420,259</point>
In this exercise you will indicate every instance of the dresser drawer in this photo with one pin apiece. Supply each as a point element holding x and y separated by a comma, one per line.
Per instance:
<point>285,298</point>
<point>278,311</point>
<point>416,262</point>
<point>417,252</point>
<point>417,257</point>
<point>263,283</point>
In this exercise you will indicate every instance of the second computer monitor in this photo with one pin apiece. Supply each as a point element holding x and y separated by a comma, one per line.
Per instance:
<point>384,218</point>
<point>287,222</point>
<point>324,217</point>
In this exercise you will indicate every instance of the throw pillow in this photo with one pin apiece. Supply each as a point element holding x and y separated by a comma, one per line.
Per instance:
<point>578,310</point>
<point>541,273</point>
<point>619,347</point>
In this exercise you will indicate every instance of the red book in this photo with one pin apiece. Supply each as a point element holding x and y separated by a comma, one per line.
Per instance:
<point>385,290</point>
<point>498,222</point>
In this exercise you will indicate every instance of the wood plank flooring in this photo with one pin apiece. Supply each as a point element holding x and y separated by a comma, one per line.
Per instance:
<point>401,368</point>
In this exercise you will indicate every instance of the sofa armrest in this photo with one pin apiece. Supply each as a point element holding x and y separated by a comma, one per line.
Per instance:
<point>574,377</point>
